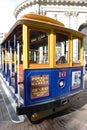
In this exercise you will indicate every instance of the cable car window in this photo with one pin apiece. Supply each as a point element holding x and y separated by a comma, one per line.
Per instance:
<point>61,48</point>
<point>38,47</point>
<point>76,50</point>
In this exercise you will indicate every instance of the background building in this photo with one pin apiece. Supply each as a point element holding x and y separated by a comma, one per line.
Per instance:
<point>73,13</point>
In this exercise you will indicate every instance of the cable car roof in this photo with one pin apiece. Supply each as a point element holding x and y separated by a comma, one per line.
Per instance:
<point>35,18</point>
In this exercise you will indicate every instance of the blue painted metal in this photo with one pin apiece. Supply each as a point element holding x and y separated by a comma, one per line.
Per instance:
<point>3,65</point>
<point>15,43</point>
<point>6,65</point>
<point>55,91</point>
<point>15,83</point>
<point>9,71</point>
<point>3,71</point>
<point>15,73</point>
<point>55,76</point>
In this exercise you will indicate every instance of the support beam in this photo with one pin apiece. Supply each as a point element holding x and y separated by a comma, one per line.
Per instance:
<point>52,49</point>
<point>70,54</point>
<point>82,52</point>
<point>25,47</point>
<point>9,64</point>
<point>15,63</point>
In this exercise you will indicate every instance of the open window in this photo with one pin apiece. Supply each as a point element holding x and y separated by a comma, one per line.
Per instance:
<point>61,48</point>
<point>76,50</point>
<point>38,52</point>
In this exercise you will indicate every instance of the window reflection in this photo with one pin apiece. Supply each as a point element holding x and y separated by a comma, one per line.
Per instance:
<point>76,50</point>
<point>61,48</point>
<point>38,47</point>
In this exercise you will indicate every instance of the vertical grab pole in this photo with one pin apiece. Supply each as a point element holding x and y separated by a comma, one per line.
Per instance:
<point>18,75</point>
<point>6,57</point>
<point>15,63</point>
<point>10,63</point>
<point>9,66</point>
<point>3,57</point>
<point>5,63</point>
<point>26,39</point>
<point>52,48</point>
<point>70,55</point>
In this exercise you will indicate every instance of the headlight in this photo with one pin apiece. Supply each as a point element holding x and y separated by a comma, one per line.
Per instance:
<point>61,83</point>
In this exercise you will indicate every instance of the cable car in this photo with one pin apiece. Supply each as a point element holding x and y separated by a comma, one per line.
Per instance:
<point>42,61</point>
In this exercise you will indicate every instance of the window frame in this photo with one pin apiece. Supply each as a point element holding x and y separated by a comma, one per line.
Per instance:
<point>68,61</point>
<point>37,65</point>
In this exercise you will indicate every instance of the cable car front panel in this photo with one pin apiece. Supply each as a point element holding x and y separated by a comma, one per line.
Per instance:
<point>47,84</point>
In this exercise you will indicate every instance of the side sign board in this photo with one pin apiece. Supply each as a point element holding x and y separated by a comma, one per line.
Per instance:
<point>39,86</point>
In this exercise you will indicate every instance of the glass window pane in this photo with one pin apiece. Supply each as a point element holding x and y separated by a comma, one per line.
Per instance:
<point>76,50</point>
<point>61,48</point>
<point>38,47</point>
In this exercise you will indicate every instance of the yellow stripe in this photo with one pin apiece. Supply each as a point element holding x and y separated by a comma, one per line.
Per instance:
<point>70,51</point>
<point>3,56</point>
<point>15,65</point>
<point>82,52</point>
<point>25,47</point>
<point>52,48</point>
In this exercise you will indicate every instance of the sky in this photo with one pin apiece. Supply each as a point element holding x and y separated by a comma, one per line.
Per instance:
<point>6,14</point>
